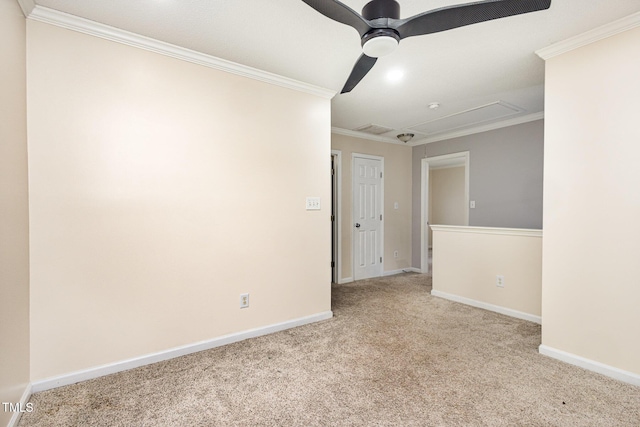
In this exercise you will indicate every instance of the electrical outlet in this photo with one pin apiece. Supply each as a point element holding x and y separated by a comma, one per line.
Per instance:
<point>500,281</point>
<point>395,254</point>
<point>244,300</point>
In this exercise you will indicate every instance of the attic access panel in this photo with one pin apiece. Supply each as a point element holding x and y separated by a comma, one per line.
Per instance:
<point>472,117</point>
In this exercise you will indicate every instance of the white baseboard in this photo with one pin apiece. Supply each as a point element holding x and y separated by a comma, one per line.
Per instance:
<point>402,270</point>
<point>486,306</point>
<point>591,365</point>
<point>99,371</point>
<point>15,418</point>
<point>384,274</point>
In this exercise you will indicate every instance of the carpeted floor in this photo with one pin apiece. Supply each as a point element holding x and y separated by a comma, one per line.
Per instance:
<point>392,356</point>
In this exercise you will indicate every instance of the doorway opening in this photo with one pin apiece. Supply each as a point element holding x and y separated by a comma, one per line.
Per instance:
<point>429,165</point>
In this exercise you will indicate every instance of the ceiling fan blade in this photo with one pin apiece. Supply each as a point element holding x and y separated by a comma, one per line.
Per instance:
<point>363,66</point>
<point>342,13</point>
<point>447,18</point>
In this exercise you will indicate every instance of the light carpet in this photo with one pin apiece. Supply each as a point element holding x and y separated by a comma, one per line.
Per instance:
<point>393,355</point>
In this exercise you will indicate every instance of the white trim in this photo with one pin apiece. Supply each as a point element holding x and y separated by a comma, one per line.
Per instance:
<point>367,136</point>
<point>424,216</point>
<point>486,306</point>
<point>592,36</point>
<point>449,135</point>
<point>338,219</point>
<point>479,129</point>
<point>99,371</point>
<point>15,417</point>
<point>424,194</point>
<point>27,6</point>
<point>353,243</point>
<point>401,271</point>
<point>526,232</point>
<point>590,365</point>
<point>75,23</point>
<point>385,274</point>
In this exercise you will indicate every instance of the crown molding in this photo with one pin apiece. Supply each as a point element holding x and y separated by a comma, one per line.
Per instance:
<point>599,33</point>
<point>27,6</point>
<point>75,23</point>
<point>367,136</point>
<point>483,128</point>
<point>450,135</point>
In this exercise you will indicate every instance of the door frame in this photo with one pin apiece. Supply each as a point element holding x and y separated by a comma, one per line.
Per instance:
<point>353,241</point>
<point>453,159</point>
<point>336,229</point>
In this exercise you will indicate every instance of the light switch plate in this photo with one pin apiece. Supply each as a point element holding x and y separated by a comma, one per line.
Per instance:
<point>313,203</point>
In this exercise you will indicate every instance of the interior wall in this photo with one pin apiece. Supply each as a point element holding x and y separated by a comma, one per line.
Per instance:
<point>14,209</point>
<point>592,203</point>
<point>397,189</point>
<point>505,177</point>
<point>447,202</point>
<point>466,263</point>
<point>160,191</point>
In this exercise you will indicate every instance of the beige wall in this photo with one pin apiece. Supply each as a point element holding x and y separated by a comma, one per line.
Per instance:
<point>397,188</point>
<point>14,209</point>
<point>592,202</point>
<point>160,190</point>
<point>447,204</point>
<point>466,261</point>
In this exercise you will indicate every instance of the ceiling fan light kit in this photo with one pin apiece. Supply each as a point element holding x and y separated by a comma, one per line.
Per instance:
<point>381,29</point>
<point>377,45</point>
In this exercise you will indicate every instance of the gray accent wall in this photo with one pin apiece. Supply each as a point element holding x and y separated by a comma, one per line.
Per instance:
<point>505,177</point>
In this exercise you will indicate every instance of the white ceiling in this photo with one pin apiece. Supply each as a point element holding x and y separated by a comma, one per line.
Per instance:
<point>463,69</point>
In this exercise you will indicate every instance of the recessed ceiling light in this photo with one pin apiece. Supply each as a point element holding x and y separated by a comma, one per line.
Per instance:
<point>395,75</point>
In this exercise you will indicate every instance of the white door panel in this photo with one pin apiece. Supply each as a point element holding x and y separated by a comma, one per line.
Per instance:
<point>367,217</point>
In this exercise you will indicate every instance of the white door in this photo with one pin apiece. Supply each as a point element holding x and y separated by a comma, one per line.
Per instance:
<point>367,217</point>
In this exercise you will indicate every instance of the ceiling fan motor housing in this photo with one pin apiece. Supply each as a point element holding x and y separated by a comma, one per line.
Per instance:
<point>380,41</point>
<point>381,9</point>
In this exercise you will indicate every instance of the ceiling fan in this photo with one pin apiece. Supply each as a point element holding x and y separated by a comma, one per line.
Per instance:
<point>381,28</point>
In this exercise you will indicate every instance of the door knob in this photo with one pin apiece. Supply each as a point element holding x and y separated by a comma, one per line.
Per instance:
<point>357,225</point>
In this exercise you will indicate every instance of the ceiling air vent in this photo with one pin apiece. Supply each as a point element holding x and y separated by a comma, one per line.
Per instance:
<point>373,129</point>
